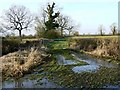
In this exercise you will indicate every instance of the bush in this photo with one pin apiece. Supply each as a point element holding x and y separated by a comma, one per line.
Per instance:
<point>10,45</point>
<point>51,34</point>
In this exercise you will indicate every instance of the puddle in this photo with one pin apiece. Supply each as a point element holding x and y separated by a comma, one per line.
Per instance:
<point>62,61</point>
<point>112,86</point>
<point>94,64</point>
<point>25,82</point>
<point>92,61</point>
<point>43,82</point>
<point>86,68</point>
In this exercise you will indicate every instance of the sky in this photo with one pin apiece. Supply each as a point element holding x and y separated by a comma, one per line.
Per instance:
<point>88,14</point>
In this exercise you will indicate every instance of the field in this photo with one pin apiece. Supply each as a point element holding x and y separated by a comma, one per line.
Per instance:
<point>63,75</point>
<point>116,36</point>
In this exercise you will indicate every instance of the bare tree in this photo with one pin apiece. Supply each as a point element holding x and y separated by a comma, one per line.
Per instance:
<point>101,30</point>
<point>39,27</point>
<point>18,18</point>
<point>113,28</point>
<point>65,23</point>
<point>40,20</point>
<point>2,31</point>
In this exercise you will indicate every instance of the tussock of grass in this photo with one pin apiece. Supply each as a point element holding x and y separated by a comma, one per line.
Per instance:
<point>101,47</point>
<point>13,68</point>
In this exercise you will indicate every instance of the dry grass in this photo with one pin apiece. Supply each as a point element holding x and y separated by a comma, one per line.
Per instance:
<point>12,66</point>
<point>102,47</point>
<point>108,47</point>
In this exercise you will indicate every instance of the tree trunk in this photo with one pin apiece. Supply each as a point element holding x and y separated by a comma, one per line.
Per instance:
<point>20,36</point>
<point>61,32</point>
<point>69,33</point>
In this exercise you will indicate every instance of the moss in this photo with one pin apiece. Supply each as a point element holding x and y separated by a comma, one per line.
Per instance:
<point>58,45</point>
<point>67,78</point>
<point>64,52</point>
<point>35,76</point>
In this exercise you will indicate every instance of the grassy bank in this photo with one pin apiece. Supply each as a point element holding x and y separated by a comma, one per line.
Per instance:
<point>100,47</point>
<point>104,47</point>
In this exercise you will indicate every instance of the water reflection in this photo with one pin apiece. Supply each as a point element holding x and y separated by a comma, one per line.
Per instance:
<point>26,82</point>
<point>94,64</point>
<point>93,61</point>
<point>86,68</point>
<point>62,61</point>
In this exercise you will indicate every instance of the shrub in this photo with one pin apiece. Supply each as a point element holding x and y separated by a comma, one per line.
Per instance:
<point>10,45</point>
<point>51,34</point>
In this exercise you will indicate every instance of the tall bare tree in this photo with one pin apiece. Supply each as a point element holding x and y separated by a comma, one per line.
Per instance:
<point>65,23</point>
<point>113,28</point>
<point>18,18</point>
<point>101,30</point>
<point>40,23</point>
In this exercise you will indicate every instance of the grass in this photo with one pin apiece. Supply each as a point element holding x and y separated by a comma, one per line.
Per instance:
<point>66,53</point>
<point>65,77</point>
<point>58,45</point>
<point>116,36</point>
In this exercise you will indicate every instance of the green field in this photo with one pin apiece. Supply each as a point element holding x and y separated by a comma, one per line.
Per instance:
<point>85,36</point>
<point>116,36</point>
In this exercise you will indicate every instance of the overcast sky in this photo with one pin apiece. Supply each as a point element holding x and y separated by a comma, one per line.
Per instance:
<point>89,14</point>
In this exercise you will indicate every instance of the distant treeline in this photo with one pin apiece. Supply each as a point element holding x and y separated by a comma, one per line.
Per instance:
<point>17,37</point>
<point>34,36</point>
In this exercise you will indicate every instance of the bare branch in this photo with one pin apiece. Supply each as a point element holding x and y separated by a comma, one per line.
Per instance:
<point>17,18</point>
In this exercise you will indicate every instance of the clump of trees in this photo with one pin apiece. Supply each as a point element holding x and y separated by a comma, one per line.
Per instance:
<point>113,29</point>
<point>47,27</point>
<point>76,33</point>
<point>53,25</point>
